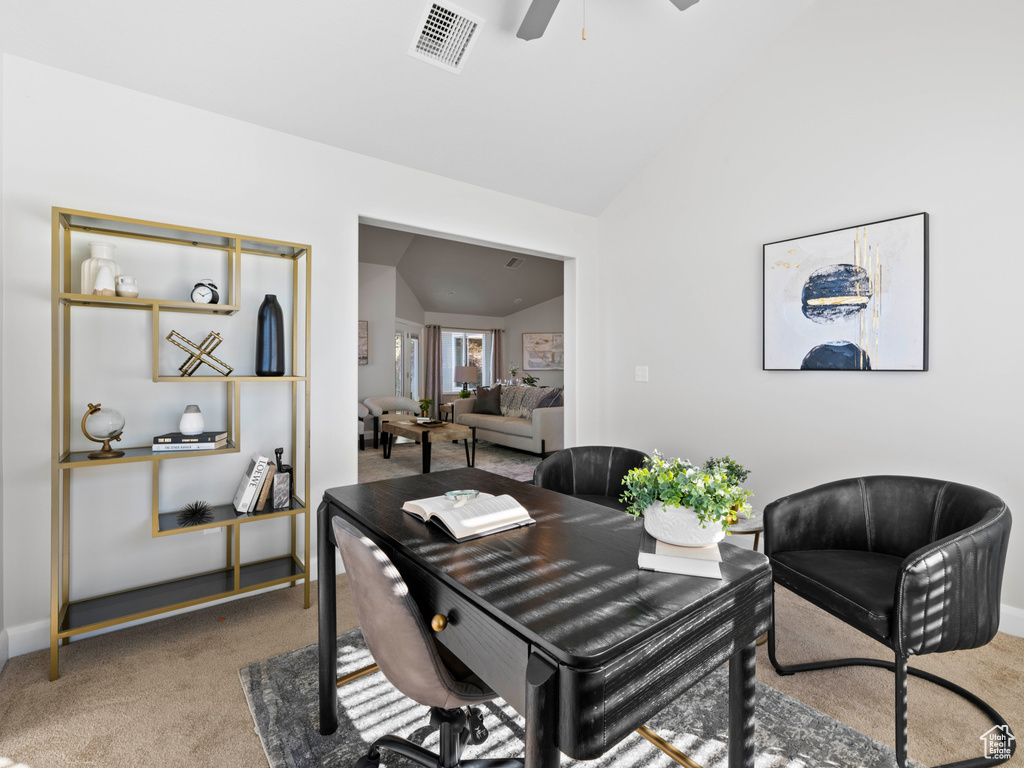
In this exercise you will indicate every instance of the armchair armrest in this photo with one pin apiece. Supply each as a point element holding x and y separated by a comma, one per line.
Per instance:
<point>461,406</point>
<point>829,516</point>
<point>947,592</point>
<point>548,429</point>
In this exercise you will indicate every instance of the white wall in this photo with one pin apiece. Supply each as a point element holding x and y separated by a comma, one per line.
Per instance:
<point>407,306</point>
<point>859,112</point>
<point>548,316</point>
<point>4,646</point>
<point>470,322</point>
<point>377,307</point>
<point>122,152</point>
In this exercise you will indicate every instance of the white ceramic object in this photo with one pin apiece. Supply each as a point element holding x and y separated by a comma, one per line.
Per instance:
<point>127,287</point>
<point>192,422</point>
<point>680,526</point>
<point>104,285</point>
<point>100,255</point>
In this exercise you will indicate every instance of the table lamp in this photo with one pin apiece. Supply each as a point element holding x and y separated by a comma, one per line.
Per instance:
<point>465,375</point>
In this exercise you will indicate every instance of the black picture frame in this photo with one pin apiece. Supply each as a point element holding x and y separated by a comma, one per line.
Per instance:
<point>851,299</point>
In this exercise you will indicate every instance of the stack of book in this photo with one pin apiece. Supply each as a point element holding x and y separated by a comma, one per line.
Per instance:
<point>688,561</point>
<point>255,485</point>
<point>204,441</point>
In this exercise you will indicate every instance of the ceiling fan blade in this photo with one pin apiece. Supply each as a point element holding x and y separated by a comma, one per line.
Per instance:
<point>537,17</point>
<point>682,5</point>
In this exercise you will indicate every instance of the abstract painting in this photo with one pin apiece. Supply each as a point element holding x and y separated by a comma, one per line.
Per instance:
<point>543,351</point>
<point>853,299</point>
<point>364,344</point>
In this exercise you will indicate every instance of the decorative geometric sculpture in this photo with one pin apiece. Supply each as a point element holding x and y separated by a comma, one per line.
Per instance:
<point>200,353</point>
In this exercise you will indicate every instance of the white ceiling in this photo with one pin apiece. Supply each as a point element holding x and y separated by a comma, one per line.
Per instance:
<point>462,278</point>
<point>557,120</point>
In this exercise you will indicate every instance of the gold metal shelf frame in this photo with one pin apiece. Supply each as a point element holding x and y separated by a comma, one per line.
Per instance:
<point>69,618</point>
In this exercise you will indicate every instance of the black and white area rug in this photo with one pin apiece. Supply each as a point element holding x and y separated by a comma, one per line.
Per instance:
<point>282,695</point>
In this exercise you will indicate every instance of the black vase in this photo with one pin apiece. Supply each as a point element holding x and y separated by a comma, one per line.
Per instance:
<point>270,338</point>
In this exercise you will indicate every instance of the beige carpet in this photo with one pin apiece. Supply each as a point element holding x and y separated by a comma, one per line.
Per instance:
<point>167,693</point>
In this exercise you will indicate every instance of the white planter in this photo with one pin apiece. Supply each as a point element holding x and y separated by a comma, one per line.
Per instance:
<point>100,257</point>
<point>680,526</point>
<point>192,422</point>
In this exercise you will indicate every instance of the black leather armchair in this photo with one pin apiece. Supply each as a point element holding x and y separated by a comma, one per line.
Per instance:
<point>592,472</point>
<point>915,563</point>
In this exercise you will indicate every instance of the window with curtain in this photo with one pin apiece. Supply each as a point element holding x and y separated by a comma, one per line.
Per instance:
<point>465,348</point>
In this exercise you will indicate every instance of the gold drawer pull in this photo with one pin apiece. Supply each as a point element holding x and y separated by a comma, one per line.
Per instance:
<point>439,622</point>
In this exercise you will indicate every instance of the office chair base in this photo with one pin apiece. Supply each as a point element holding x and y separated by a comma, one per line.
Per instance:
<point>458,727</point>
<point>901,669</point>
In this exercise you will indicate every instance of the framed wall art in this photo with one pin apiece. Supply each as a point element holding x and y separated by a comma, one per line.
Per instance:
<point>364,343</point>
<point>543,351</point>
<point>853,299</point>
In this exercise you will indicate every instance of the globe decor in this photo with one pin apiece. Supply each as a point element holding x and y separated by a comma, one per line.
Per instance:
<point>101,425</point>
<point>681,504</point>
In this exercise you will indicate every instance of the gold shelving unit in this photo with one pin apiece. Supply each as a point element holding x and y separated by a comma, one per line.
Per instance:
<point>74,617</point>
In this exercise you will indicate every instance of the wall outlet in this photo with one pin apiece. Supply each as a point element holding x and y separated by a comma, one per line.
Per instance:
<point>641,373</point>
<point>213,531</point>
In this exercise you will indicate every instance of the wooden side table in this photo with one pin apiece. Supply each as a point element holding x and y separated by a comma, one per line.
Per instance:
<point>747,526</point>
<point>445,409</point>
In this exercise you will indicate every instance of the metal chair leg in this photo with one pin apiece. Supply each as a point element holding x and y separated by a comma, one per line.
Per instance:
<point>901,669</point>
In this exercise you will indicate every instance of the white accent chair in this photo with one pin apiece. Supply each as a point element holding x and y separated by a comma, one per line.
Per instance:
<point>386,408</point>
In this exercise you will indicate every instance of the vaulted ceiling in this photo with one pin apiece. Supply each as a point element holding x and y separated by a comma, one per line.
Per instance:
<point>462,278</point>
<point>558,120</point>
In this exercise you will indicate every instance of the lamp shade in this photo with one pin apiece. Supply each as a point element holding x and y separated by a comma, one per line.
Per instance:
<point>466,374</point>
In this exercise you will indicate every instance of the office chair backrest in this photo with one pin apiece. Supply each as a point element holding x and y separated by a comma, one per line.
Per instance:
<point>394,631</point>
<point>889,514</point>
<point>591,470</point>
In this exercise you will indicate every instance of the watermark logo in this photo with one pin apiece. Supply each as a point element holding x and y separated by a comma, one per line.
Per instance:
<point>997,741</point>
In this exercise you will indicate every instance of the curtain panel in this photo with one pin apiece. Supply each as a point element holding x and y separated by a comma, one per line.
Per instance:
<point>432,386</point>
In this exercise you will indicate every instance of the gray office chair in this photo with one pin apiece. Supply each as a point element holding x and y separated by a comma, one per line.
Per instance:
<point>412,661</point>
<point>916,564</point>
<point>592,472</point>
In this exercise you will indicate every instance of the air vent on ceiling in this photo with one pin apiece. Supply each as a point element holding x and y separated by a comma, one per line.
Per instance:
<point>446,36</point>
<point>515,262</point>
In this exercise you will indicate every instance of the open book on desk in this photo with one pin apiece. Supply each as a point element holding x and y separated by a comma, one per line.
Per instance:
<point>482,516</point>
<point>689,561</point>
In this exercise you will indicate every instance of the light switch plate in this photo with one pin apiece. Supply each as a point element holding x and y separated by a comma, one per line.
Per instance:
<point>641,373</point>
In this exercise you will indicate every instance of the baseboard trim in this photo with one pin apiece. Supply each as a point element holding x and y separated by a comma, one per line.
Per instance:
<point>1011,620</point>
<point>5,648</point>
<point>35,636</point>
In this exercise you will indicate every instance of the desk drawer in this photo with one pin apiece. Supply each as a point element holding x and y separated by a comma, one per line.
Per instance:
<point>497,655</point>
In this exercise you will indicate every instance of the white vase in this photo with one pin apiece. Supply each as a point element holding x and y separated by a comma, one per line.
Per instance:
<point>680,526</point>
<point>127,287</point>
<point>99,257</point>
<point>104,285</point>
<point>192,422</point>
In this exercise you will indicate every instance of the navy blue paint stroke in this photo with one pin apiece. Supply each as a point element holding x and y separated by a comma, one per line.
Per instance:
<point>834,281</point>
<point>835,356</point>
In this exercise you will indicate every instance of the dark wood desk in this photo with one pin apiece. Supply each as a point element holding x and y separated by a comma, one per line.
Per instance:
<point>556,617</point>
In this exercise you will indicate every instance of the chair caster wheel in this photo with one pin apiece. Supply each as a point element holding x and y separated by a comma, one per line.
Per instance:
<point>477,732</point>
<point>369,760</point>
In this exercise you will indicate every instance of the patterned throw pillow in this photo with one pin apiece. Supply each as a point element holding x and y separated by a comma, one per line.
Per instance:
<point>552,399</point>
<point>519,402</point>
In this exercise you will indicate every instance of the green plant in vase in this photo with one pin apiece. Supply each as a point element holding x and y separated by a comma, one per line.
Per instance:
<point>734,472</point>
<point>667,491</point>
<point>425,403</point>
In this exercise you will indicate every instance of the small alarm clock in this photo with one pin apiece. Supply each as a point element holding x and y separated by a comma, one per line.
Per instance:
<point>205,292</point>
